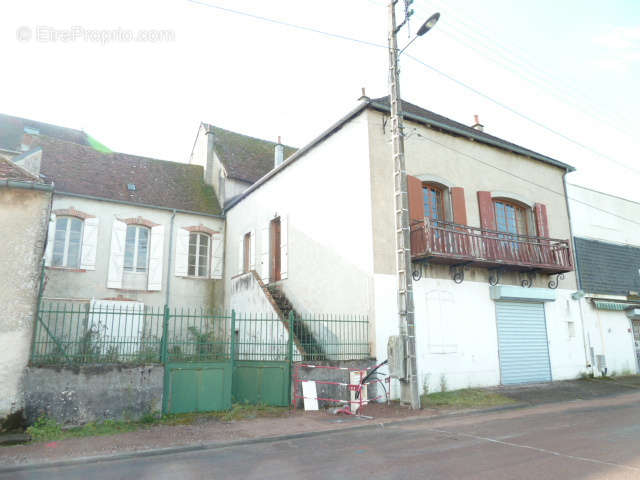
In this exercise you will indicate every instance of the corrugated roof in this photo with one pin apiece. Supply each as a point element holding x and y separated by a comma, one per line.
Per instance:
<point>607,268</point>
<point>78,169</point>
<point>245,158</point>
<point>414,112</point>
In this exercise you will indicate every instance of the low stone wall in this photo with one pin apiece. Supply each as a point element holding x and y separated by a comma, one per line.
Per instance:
<point>77,395</point>
<point>331,375</point>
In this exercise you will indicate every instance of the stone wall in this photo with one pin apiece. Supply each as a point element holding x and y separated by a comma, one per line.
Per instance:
<point>77,395</point>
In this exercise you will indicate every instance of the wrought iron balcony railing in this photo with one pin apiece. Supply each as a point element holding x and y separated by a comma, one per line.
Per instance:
<point>450,243</point>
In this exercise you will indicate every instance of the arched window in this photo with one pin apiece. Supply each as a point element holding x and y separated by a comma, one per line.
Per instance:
<point>199,254</point>
<point>136,250</point>
<point>67,242</point>
<point>513,217</point>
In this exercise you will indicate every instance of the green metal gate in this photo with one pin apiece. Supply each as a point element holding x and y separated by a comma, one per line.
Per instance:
<point>198,352</point>
<point>262,362</point>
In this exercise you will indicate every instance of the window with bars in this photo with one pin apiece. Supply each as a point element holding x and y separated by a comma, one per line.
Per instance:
<point>136,250</point>
<point>67,242</point>
<point>199,255</point>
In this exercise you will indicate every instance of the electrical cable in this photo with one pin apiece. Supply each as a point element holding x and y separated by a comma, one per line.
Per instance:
<point>426,65</point>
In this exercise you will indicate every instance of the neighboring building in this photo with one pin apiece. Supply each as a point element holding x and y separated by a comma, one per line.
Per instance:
<point>130,228</point>
<point>232,162</point>
<point>17,134</point>
<point>25,200</point>
<point>606,233</point>
<point>320,228</point>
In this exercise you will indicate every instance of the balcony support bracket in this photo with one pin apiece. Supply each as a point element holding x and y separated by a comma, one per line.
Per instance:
<point>457,272</point>
<point>495,275</point>
<point>529,279</point>
<point>553,283</point>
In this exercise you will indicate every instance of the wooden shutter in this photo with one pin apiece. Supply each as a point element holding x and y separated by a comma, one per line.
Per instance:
<point>458,206</point>
<point>156,251</point>
<point>284,249</point>
<point>217,255</point>
<point>252,250</point>
<point>542,222</point>
<point>264,254</point>
<point>51,236</point>
<point>241,255</point>
<point>116,256</point>
<point>182,253</point>
<point>89,244</point>
<point>416,199</point>
<point>487,212</point>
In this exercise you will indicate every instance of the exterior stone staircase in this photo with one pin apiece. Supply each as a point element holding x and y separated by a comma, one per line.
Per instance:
<point>309,347</point>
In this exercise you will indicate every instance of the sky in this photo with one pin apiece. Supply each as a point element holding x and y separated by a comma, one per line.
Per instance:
<point>558,77</point>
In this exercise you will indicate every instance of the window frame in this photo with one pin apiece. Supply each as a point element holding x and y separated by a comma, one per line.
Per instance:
<point>441,192</point>
<point>67,234</point>
<point>197,255</point>
<point>527,213</point>
<point>134,269</point>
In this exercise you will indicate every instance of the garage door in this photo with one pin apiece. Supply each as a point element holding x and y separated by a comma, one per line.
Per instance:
<point>522,343</point>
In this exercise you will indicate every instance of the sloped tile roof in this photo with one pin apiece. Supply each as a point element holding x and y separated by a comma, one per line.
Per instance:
<point>451,126</point>
<point>607,268</point>
<point>83,170</point>
<point>11,171</point>
<point>12,128</point>
<point>245,158</point>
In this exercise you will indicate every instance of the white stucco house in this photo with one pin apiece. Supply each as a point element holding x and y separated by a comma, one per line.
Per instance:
<point>607,250</point>
<point>491,245</point>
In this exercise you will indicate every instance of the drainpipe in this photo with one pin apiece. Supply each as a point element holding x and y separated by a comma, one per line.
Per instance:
<point>173,216</point>
<point>587,356</point>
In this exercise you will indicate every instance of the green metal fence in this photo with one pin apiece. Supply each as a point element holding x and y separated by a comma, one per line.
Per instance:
<point>83,333</point>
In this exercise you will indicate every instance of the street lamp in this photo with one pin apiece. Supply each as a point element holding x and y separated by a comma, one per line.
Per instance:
<point>406,324</point>
<point>426,26</point>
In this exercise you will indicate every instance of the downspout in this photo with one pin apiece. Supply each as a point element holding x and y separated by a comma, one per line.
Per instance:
<point>173,216</point>
<point>587,356</point>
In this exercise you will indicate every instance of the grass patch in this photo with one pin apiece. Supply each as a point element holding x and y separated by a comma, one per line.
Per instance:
<point>466,398</point>
<point>47,430</point>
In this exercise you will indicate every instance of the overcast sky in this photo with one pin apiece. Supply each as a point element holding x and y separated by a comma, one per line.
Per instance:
<point>572,66</point>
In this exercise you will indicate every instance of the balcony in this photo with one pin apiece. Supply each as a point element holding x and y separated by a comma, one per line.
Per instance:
<point>453,244</point>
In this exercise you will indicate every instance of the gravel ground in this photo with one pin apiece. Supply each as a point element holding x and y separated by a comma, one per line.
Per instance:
<point>209,430</point>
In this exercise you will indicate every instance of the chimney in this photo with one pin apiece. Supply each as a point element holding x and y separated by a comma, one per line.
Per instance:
<point>279,154</point>
<point>477,125</point>
<point>364,95</point>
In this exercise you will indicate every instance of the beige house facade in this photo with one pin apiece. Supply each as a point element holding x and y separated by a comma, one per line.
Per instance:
<point>490,245</point>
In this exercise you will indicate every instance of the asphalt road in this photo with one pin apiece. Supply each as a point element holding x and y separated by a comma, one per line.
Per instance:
<point>595,439</point>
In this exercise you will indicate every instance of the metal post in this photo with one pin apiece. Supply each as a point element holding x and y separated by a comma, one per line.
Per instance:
<point>232,350</point>
<point>165,336</point>
<point>409,390</point>
<point>290,350</point>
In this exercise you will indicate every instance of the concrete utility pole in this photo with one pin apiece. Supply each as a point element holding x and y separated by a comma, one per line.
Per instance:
<point>409,386</point>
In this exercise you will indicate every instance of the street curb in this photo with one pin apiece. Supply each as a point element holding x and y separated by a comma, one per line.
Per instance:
<point>255,441</point>
<point>218,446</point>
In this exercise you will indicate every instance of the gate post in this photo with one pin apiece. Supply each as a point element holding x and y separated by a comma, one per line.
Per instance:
<point>165,334</point>
<point>163,360</point>
<point>290,352</point>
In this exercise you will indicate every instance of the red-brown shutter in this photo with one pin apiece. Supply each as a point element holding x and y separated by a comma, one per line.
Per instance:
<point>458,206</point>
<point>487,212</point>
<point>416,199</point>
<point>542,223</point>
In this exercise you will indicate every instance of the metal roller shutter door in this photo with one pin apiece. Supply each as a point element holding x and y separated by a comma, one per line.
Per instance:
<point>522,343</point>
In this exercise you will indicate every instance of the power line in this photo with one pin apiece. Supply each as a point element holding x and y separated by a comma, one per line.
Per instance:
<point>430,67</point>
<point>419,135</point>
<point>570,88</point>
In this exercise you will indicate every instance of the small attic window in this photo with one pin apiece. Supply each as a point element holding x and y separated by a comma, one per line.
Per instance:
<point>131,187</point>
<point>31,130</point>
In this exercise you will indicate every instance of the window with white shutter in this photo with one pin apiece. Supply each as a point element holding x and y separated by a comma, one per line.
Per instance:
<point>89,244</point>
<point>182,252</point>
<point>67,241</point>
<point>116,257</point>
<point>156,251</point>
